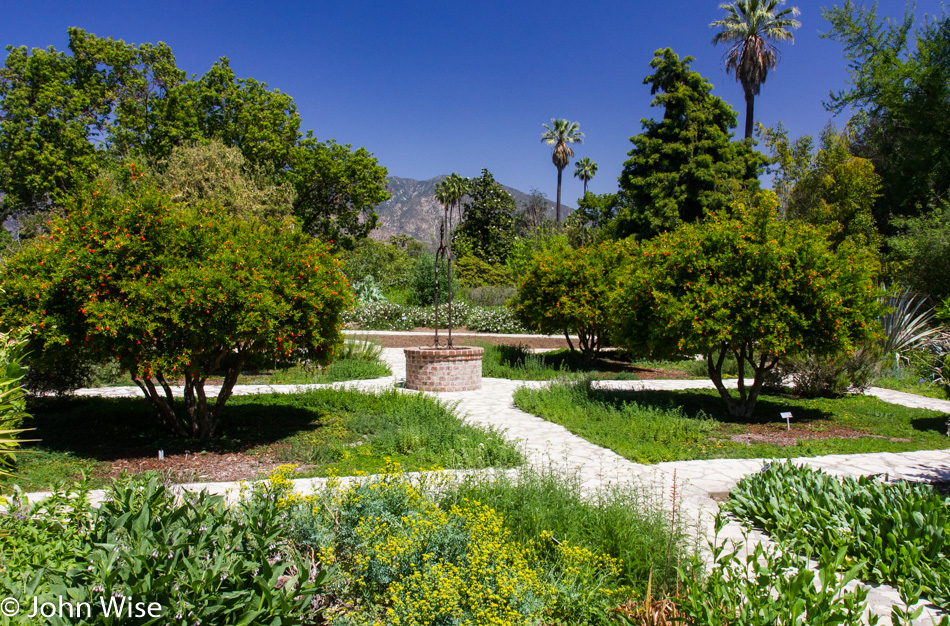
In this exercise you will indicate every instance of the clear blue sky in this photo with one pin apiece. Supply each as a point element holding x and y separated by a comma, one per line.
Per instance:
<point>434,87</point>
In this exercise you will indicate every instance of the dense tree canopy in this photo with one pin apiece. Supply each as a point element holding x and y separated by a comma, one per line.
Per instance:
<point>828,186</point>
<point>487,227</point>
<point>65,118</point>
<point>747,284</point>
<point>685,164</point>
<point>173,292</point>
<point>900,85</point>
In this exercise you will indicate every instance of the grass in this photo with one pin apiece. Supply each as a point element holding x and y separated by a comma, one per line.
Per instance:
<point>324,430</point>
<point>517,362</point>
<point>657,426</point>
<point>626,521</point>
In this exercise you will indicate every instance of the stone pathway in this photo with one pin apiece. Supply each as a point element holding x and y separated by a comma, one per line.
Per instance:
<point>548,444</point>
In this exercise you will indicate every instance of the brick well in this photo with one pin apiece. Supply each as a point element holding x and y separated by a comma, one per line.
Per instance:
<point>444,369</point>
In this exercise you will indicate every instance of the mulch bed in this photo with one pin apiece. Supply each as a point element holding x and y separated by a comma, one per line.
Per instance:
<point>779,435</point>
<point>193,467</point>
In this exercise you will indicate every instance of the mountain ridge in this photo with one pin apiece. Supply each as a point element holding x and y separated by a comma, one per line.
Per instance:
<point>413,210</point>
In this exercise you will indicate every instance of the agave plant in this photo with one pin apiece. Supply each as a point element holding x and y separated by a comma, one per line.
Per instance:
<point>908,325</point>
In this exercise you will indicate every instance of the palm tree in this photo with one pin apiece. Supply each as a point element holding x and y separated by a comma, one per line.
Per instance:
<point>449,193</point>
<point>749,26</point>
<point>585,170</point>
<point>560,134</point>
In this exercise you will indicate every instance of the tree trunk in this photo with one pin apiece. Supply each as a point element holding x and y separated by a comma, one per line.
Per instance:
<point>557,210</point>
<point>744,405</point>
<point>749,117</point>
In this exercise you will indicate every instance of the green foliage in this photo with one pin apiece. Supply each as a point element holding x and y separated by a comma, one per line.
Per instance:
<point>67,118</point>
<point>751,285</point>
<point>489,295</point>
<point>338,190</point>
<point>524,249</point>
<point>686,164</point>
<point>593,214</point>
<point>220,174</point>
<point>813,376</point>
<point>194,557</point>
<point>471,271</point>
<point>174,292</point>
<point>12,403</point>
<point>422,285</point>
<point>391,316</point>
<point>896,533</point>
<point>899,84</point>
<point>772,586</point>
<point>388,264</point>
<point>919,254</point>
<point>564,290</point>
<point>830,187</point>
<point>367,290</point>
<point>487,226</point>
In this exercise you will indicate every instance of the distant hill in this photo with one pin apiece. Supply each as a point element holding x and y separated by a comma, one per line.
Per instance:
<point>413,209</point>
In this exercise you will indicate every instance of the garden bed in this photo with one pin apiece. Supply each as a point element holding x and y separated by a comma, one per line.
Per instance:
<point>324,431</point>
<point>657,426</point>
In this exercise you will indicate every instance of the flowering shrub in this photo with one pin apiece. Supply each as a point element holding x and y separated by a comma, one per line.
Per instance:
<point>390,316</point>
<point>174,292</point>
<point>745,283</point>
<point>566,290</point>
<point>418,561</point>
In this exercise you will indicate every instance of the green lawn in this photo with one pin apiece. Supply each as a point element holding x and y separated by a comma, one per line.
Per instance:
<point>324,430</point>
<point>657,426</point>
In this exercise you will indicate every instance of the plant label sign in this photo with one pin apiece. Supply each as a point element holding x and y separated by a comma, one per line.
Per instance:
<point>787,417</point>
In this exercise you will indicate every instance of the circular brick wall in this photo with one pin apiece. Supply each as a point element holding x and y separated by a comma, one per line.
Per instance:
<point>444,369</point>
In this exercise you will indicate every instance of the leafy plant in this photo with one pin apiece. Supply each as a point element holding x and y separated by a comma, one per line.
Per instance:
<point>772,585</point>
<point>908,324</point>
<point>12,401</point>
<point>745,283</point>
<point>194,557</point>
<point>368,290</point>
<point>894,532</point>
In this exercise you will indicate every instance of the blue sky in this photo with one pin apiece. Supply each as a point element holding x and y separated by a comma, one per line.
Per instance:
<point>456,86</point>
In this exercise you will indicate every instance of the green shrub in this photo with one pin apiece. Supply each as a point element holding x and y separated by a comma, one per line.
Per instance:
<point>390,265</point>
<point>473,272</point>
<point>563,290</point>
<point>746,283</point>
<point>422,281</point>
<point>368,290</point>
<point>813,376</point>
<point>489,295</point>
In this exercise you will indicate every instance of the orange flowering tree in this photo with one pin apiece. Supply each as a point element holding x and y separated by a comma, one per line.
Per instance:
<point>569,290</point>
<point>744,283</point>
<point>175,293</point>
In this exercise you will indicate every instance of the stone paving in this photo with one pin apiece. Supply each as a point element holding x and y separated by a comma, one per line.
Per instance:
<point>548,444</point>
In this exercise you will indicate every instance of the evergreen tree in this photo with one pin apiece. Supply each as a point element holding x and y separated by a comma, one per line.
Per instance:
<point>487,227</point>
<point>685,164</point>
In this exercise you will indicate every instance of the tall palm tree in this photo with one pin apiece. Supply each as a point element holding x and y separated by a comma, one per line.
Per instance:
<point>449,193</point>
<point>750,26</point>
<point>560,134</point>
<point>585,170</point>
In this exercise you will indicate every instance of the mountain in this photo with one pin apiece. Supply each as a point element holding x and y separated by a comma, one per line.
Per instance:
<point>414,211</point>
